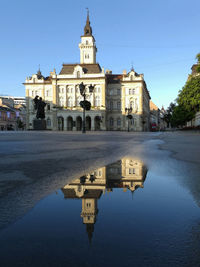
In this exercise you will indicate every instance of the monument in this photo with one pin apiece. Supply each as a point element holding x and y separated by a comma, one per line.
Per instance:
<point>39,123</point>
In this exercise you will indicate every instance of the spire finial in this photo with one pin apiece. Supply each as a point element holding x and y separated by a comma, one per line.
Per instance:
<point>87,12</point>
<point>132,66</point>
<point>39,72</point>
<point>88,29</point>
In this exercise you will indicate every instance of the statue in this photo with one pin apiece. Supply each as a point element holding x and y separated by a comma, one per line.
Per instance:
<point>39,107</point>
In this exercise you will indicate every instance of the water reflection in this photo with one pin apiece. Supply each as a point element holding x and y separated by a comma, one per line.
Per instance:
<point>127,173</point>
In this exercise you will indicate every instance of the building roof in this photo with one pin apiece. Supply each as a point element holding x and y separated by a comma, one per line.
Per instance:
<point>153,106</point>
<point>113,78</point>
<point>90,193</point>
<point>87,68</point>
<point>6,108</point>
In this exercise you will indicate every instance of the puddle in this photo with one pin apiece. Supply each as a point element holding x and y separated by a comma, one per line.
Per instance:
<point>122,214</point>
<point>127,174</point>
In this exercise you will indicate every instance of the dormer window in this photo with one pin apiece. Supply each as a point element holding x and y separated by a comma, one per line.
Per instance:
<point>78,74</point>
<point>86,42</point>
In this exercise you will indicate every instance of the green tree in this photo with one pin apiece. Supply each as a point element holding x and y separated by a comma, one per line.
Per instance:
<point>180,116</point>
<point>168,114</point>
<point>198,62</point>
<point>189,96</point>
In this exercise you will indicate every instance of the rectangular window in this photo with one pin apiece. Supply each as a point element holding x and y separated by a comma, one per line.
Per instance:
<point>133,91</point>
<point>118,91</point>
<point>119,105</point>
<point>131,171</point>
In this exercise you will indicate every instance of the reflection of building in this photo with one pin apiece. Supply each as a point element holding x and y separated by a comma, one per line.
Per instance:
<point>127,173</point>
<point>112,94</point>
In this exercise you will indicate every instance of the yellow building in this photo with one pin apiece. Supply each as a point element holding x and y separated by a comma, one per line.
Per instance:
<point>113,94</point>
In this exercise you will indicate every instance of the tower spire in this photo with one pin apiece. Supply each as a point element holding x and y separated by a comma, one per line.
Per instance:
<point>39,71</point>
<point>88,19</point>
<point>88,28</point>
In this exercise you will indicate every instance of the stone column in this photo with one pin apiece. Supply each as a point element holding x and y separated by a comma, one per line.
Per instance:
<point>28,109</point>
<point>65,124</point>
<point>103,95</point>
<point>74,120</point>
<point>54,86</point>
<point>103,123</point>
<point>92,123</point>
<point>54,120</point>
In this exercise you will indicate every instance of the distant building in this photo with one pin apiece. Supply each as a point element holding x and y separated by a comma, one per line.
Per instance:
<point>154,117</point>
<point>12,116</point>
<point>114,96</point>
<point>16,100</point>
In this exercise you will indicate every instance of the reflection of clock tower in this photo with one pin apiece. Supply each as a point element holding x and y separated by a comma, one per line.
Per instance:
<point>89,213</point>
<point>87,46</point>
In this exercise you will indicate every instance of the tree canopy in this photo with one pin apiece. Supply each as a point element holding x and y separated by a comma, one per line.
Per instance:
<point>189,96</point>
<point>187,102</point>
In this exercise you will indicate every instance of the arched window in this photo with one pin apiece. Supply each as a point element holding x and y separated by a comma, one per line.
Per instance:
<point>97,101</point>
<point>48,122</point>
<point>61,102</point>
<point>78,101</point>
<point>111,105</point>
<point>131,103</point>
<point>131,77</point>
<point>86,42</point>
<point>69,102</point>
<point>118,122</point>
<point>119,105</point>
<point>77,88</point>
<point>132,121</point>
<point>111,121</point>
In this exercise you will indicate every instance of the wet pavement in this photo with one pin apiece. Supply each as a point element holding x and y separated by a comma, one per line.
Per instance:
<point>120,200</point>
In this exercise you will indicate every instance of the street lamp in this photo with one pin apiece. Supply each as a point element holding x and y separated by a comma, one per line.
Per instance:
<point>129,116</point>
<point>86,105</point>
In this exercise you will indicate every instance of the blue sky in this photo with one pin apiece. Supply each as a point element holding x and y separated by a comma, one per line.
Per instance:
<point>160,38</point>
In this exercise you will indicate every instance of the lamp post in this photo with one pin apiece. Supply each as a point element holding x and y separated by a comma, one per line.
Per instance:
<point>86,105</point>
<point>129,117</point>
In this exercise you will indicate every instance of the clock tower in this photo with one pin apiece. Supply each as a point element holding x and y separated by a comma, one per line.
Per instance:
<point>87,46</point>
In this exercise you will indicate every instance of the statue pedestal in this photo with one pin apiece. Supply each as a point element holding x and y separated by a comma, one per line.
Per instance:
<point>39,125</point>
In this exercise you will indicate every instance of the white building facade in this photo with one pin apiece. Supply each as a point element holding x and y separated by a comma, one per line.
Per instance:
<point>113,98</point>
